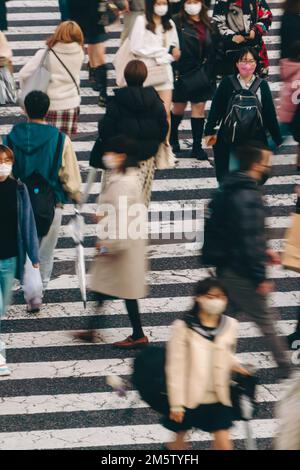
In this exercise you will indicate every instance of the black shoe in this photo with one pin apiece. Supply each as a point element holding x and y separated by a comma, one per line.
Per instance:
<point>292,340</point>
<point>91,71</point>
<point>199,154</point>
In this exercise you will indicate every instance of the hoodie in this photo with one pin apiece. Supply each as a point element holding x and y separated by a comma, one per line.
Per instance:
<point>289,92</point>
<point>34,146</point>
<point>62,91</point>
<point>138,113</point>
<point>245,227</point>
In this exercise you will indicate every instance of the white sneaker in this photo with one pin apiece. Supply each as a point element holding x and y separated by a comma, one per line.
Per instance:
<point>4,370</point>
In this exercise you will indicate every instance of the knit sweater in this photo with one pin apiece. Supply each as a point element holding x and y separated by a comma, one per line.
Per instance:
<point>62,91</point>
<point>220,104</point>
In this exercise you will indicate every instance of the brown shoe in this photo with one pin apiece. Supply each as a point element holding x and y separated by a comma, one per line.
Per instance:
<point>132,343</point>
<point>88,336</point>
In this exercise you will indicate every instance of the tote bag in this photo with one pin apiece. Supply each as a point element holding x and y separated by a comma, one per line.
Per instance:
<point>39,80</point>
<point>8,93</point>
<point>291,254</point>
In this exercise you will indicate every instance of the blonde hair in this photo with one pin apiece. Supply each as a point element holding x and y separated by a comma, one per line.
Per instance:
<point>66,32</point>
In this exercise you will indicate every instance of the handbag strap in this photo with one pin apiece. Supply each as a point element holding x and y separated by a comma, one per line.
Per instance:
<point>66,68</point>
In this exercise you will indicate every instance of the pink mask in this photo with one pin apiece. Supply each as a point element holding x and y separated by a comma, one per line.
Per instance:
<point>246,69</point>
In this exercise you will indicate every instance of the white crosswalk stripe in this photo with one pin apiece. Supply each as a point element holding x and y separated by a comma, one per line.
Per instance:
<point>56,396</point>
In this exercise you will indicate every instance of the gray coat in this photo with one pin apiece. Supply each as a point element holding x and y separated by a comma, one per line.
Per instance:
<point>28,243</point>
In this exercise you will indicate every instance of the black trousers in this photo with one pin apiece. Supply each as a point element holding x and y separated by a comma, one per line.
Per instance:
<point>132,310</point>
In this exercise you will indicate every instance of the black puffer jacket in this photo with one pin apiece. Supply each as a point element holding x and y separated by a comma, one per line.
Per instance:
<point>245,227</point>
<point>138,113</point>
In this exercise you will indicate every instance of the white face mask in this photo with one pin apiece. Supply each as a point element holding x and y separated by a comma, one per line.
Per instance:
<point>110,162</point>
<point>161,10</point>
<point>5,169</point>
<point>193,9</point>
<point>213,306</point>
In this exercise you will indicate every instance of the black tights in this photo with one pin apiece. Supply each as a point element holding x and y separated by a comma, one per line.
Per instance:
<point>133,313</point>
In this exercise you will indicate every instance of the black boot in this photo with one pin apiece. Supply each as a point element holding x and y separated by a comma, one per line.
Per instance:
<point>101,84</point>
<point>174,141</point>
<point>91,71</point>
<point>296,335</point>
<point>197,131</point>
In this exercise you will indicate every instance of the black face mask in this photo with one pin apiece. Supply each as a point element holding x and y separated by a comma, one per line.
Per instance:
<point>264,177</point>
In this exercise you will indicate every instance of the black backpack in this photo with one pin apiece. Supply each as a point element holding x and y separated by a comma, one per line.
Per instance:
<point>215,249</point>
<point>42,195</point>
<point>244,113</point>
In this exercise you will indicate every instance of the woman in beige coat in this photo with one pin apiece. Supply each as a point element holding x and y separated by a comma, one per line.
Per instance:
<point>119,268</point>
<point>199,365</point>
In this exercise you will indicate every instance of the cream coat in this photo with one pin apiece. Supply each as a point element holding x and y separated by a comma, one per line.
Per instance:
<point>61,91</point>
<point>122,274</point>
<point>187,365</point>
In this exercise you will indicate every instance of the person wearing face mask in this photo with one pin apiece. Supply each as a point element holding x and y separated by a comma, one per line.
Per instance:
<point>199,362</point>
<point>119,268</point>
<point>154,40</point>
<point>243,23</point>
<point>237,245</point>
<point>198,42</point>
<point>18,235</point>
<point>265,123</point>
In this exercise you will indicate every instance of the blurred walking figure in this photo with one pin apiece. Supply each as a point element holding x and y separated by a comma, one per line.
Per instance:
<point>154,40</point>
<point>235,242</point>
<point>119,268</point>
<point>64,62</point>
<point>199,363</point>
<point>132,9</point>
<point>239,123</point>
<point>243,23</point>
<point>18,235</point>
<point>91,15</point>
<point>46,162</point>
<point>137,112</point>
<point>195,74</point>
<point>290,26</point>
<point>289,94</point>
<point>8,91</point>
<point>64,9</point>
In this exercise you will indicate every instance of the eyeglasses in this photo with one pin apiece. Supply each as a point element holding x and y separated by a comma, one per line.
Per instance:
<point>251,62</point>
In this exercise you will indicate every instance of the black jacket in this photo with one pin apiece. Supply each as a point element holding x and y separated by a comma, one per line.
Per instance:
<point>245,227</point>
<point>220,103</point>
<point>137,112</point>
<point>290,32</point>
<point>194,52</point>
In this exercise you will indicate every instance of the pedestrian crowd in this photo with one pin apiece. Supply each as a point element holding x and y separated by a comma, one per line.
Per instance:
<point>174,59</point>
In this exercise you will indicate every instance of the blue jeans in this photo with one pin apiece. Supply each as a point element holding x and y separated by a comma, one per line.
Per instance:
<point>7,275</point>
<point>64,9</point>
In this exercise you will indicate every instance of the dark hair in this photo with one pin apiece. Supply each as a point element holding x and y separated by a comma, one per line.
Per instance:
<point>36,104</point>
<point>202,288</point>
<point>249,153</point>
<point>135,73</point>
<point>122,144</point>
<point>8,151</point>
<point>295,51</point>
<point>203,15</point>
<point>249,50</point>
<point>149,12</point>
<point>292,6</point>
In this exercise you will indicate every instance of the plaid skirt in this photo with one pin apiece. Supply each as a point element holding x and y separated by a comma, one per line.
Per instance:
<point>65,120</point>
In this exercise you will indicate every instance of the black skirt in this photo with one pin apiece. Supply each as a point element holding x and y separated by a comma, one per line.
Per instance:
<point>181,96</point>
<point>209,418</point>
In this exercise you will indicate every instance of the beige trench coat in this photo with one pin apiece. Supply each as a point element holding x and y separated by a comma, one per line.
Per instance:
<point>122,274</point>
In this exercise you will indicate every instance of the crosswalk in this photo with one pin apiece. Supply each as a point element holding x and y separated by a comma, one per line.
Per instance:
<point>57,396</point>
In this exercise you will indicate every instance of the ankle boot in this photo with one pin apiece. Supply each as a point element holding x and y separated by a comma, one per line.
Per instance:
<point>197,132</point>
<point>101,84</point>
<point>91,71</point>
<point>174,141</point>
